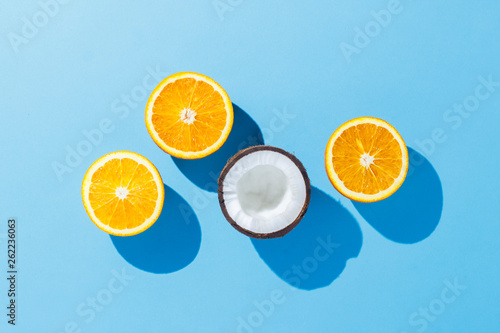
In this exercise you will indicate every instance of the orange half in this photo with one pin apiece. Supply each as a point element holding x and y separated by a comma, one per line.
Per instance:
<point>123,193</point>
<point>366,159</point>
<point>189,115</point>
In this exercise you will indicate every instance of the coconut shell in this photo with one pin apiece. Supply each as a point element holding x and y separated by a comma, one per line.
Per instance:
<point>220,192</point>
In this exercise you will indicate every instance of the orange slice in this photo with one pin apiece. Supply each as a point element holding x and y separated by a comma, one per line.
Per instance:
<point>123,193</point>
<point>189,115</point>
<point>366,159</point>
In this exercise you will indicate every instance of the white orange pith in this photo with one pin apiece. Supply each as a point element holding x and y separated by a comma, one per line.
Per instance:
<point>123,193</point>
<point>366,159</point>
<point>189,115</point>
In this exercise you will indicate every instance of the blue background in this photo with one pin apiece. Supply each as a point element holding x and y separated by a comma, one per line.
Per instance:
<point>195,273</point>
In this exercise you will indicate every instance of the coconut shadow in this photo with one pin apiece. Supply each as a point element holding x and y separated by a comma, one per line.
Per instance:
<point>315,252</point>
<point>170,244</point>
<point>204,172</point>
<point>412,213</point>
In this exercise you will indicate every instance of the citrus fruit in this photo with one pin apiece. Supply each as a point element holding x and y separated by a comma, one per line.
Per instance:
<point>123,193</point>
<point>189,115</point>
<point>366,159</point>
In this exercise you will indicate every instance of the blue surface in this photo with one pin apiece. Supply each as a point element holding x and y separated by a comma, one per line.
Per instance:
<point>425,260</point>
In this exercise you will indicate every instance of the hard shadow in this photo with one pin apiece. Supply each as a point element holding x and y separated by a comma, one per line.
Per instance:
<point>204,172</point>
<point>170,244</point>
<point>413,212</point>
<point>315,253</point>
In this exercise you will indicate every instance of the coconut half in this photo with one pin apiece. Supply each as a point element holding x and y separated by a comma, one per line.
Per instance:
<point>264,191</point>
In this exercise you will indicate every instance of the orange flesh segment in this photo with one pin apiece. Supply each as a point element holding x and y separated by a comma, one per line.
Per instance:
<point>210,115</point>
<point>139,203</point>
<point>378,143</point>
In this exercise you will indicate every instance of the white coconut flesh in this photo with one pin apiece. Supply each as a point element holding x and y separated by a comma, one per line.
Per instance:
<point>264,191</point>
